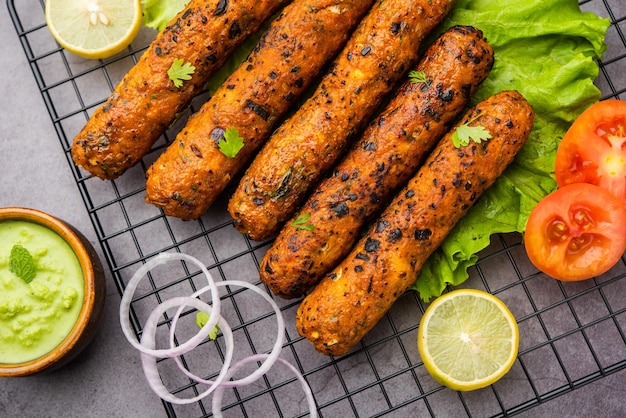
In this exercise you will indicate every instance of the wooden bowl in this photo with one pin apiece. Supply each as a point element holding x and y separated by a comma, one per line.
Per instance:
<point>90,314</point>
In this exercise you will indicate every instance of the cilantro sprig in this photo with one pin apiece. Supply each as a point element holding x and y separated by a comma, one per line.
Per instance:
<point>232,143</point>
<point>301,222</point>
<point>180,71</point>
<point>21,263</point>
<point>201,320</point>
<point>464,133</point>
<point>417,76</point>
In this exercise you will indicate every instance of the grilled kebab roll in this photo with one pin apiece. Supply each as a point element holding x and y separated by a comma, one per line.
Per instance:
<point>383,47</point>
<point>189,176</point>
<point>389,152</point>
<point>354,296</point>
<point>145,103</point>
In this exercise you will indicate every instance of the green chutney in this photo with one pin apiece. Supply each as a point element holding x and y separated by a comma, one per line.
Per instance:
<point>36,317</point>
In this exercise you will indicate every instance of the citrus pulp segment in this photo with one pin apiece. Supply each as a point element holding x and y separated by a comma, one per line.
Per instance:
<point>468,339</point>
<point>94,28</point>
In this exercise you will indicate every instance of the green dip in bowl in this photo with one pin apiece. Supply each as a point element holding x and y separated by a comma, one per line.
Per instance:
<point>52,291</point>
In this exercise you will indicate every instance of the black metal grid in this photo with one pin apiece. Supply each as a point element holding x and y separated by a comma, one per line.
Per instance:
<point>571,333</point>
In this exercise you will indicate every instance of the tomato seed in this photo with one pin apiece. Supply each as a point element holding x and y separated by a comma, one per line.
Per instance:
<point>579,243</point>
<point>557,230</point>
<point>583,220</point>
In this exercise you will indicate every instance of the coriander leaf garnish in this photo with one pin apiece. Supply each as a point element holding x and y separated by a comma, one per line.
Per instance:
<point>201,320</point>
<point>179,71</point>
<point>301,222</point>
<point>232,143</point>
<point>21,263</point>
<point>417,76</point>
<point>464,133</point>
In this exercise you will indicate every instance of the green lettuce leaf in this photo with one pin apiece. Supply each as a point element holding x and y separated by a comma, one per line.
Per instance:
<point>239,55</point>
<point>158,13</point>
<point>547,51</point>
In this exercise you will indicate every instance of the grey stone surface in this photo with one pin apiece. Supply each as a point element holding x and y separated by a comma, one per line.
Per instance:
<point>107,381</point>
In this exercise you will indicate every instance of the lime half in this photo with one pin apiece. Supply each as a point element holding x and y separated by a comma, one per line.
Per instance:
<point>468,339</point>
<point>94,28</point>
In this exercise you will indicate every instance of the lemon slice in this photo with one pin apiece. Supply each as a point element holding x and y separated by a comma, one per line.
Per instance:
<point>94,28</point>
<point>468,339</point>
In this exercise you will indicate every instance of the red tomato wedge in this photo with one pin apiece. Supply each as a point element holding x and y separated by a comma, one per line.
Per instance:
<point>577,232</point>
<point>594,149</point>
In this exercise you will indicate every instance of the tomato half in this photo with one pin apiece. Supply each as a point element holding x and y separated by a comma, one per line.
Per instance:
<point>577,232</point>
<point>594,149</point>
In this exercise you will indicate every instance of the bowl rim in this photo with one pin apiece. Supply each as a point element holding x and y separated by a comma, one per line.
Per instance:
<point>69,235</point>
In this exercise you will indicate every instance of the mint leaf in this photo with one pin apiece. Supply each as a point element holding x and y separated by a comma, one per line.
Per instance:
<point>201,320</point>
<point>232,143</point>
<point>179,71</point>
<point>301,222</point>
<point>21,263</point>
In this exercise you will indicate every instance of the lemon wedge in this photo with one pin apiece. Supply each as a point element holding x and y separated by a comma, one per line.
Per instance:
<point>94,28</point>
<point>468,339</point>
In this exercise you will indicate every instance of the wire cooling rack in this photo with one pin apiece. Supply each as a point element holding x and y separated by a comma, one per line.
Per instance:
<point>571,333</point>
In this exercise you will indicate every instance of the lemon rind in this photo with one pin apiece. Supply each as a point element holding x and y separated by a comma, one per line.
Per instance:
<point>99,53</point>
<point>452,382</point>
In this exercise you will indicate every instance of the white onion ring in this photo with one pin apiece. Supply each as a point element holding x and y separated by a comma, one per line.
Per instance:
<point>129,292</point>
<point>271,358</point>
<point>149,362</point>
<point>216,406</point>
<point>149,353</point>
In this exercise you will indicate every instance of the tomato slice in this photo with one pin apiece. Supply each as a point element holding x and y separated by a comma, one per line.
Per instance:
<point>594,149</point>
<point>577,232</point>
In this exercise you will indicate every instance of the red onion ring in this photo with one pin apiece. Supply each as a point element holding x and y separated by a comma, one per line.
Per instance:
<point>149,362</point>
<point>216,406</point>
<point>149,353</point>
<point>129,292</point>
<point>271,358</point>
